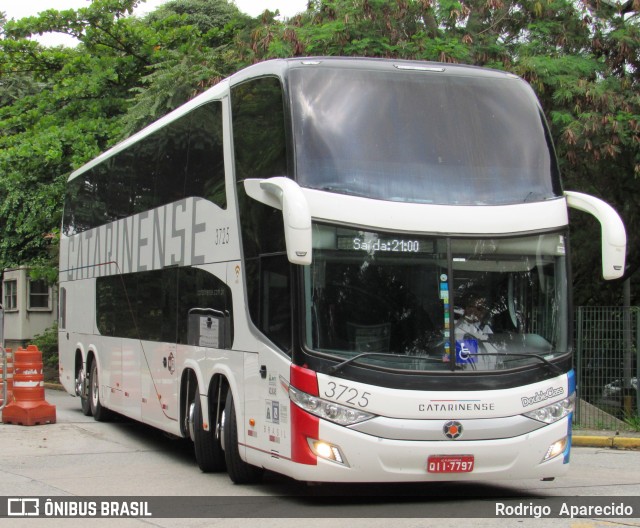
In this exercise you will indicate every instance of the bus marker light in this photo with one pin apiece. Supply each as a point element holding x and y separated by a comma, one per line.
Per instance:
<point>252,422</point>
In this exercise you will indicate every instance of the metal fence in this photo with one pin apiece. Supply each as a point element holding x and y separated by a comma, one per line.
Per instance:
<point>607,368</point>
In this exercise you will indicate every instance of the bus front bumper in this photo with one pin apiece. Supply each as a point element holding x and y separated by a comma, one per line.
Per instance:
<point>366,458</point>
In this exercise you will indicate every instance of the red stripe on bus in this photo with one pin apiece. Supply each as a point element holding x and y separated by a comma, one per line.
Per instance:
<point>303,424</point>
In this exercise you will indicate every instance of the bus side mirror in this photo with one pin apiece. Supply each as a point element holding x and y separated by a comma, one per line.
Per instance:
<point>285,194</point>
<point>614,236</point>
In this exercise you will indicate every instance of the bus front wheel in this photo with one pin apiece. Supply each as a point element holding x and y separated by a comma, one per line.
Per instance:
<point>239,471</point>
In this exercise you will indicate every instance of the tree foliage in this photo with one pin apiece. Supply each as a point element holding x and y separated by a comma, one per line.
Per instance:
<point>61,106</point>
<point>581,57</point>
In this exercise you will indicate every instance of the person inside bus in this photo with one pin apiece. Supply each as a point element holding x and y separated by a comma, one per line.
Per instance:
<point>472,323</point>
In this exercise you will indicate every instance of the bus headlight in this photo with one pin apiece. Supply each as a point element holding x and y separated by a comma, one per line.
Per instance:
<point>555,449</point>
<point>553,412</point>
<point>327,451</point>
<point>332,411</point>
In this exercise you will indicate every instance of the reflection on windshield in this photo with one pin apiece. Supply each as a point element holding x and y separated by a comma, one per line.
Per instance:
<point>422,138</point>
<point>374,292</point>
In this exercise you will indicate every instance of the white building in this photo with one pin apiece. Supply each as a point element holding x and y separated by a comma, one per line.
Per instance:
<point>30,306</point>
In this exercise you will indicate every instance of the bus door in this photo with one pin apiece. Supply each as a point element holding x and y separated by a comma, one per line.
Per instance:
<point>266,373</point>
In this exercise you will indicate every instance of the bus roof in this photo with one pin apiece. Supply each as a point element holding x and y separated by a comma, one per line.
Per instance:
<point>280,68</point>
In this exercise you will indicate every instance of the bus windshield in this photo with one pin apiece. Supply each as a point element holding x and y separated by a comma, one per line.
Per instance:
<point>398,297</point>
<point>421,137</point>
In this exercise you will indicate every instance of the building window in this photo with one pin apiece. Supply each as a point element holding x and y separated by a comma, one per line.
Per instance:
<point>39,295</point>
<point>11,295</point>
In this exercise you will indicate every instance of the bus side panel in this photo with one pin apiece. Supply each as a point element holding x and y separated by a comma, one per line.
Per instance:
<point>131,393</point>
<point>267,407</point>
<point>78,326</point>
<point>108,352</point>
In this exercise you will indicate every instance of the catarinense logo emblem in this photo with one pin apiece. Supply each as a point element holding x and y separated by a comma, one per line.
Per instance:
<point>452,430</point>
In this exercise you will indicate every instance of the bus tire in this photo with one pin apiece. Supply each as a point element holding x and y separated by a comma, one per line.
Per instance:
<point>100,413</point>
<point>81,390</point>
<point>207,447</point>
<point>239,471</point>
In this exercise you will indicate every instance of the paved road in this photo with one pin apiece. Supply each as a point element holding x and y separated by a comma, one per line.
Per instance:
<point>80,457</point>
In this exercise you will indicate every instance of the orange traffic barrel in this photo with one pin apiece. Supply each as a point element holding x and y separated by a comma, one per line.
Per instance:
<point>28,406</point>
<point>7,377</point>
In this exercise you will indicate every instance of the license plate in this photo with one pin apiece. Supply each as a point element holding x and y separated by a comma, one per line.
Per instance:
<point>450,464</point>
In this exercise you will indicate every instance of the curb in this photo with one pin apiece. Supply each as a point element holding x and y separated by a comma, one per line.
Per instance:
<point>613,442</point>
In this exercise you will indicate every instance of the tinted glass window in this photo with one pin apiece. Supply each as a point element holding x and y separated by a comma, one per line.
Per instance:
<point>260,152</point>
<point>259,129</point>
<point>421,137</point>
<point>259,136</point>
<point>164,305</point>
<point>505,301</point>
<point>181,160</point>
<point>205,161</point>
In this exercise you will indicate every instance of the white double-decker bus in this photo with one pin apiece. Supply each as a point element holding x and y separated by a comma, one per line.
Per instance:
<point>335,269</point>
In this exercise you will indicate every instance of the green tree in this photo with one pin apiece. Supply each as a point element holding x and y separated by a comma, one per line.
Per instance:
<point>192,40</point>
<point>61,106</point>
<point>581,57</point>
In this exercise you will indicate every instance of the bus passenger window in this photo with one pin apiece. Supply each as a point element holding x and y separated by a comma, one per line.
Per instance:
<point>205,165</point>
<point>275,301</point>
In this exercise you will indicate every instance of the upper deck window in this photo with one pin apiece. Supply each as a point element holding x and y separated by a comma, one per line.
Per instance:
<point>180,160</point>
<point>421,137</point>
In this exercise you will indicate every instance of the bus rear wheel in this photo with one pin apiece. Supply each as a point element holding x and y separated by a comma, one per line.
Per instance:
<point>207,447</point>
<point>239,471</point>
<point>82,390</point>
<point>99,412</point>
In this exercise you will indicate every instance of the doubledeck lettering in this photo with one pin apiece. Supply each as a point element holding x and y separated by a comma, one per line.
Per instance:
<point>541,396</point>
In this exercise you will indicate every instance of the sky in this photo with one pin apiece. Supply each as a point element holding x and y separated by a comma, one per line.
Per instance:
<point>16,9</point>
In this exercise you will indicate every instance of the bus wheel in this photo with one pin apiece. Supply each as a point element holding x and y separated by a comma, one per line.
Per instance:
<point>99,412</point>
<point>239,471</point>
<point>207,447</point>
<point>81,390</point>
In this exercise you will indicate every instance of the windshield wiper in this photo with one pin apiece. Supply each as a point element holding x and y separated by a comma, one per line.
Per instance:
<point>553,367</point>
<point>337,368</point>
